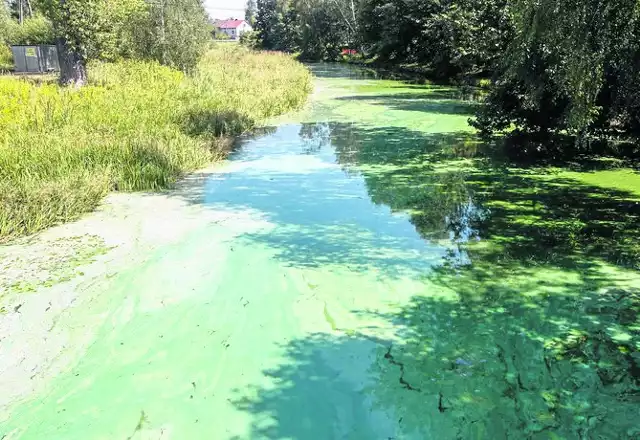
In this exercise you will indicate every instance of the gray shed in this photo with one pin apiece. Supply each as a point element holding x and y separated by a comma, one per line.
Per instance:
<point>35,59</point>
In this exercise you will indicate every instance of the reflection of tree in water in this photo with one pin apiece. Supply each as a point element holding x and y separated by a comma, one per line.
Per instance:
<point>545,333</point>
<point>400,170</point>
<point>315,137</point>
<point>318,392</point>
<point>534,333</point>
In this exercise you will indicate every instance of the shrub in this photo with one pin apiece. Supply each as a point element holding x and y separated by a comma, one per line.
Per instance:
<point>219,35</point>
<point>137,126</point>
<point>6,58</point>
<point>250,39</point>
<point>35,30</point>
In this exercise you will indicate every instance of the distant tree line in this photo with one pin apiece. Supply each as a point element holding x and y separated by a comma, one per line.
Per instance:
<point>566,67</point>
<point>172,32</point>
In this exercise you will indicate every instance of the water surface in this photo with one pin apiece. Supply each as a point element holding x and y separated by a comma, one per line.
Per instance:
<point>379,278</point>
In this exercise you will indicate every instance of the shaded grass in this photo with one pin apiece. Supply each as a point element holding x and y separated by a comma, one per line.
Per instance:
<point>137,126</point>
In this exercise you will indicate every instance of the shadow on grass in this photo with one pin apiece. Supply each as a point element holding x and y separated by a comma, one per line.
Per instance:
<point>216,123</point>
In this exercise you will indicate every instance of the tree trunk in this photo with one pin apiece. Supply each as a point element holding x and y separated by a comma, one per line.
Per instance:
<point>73,66</point>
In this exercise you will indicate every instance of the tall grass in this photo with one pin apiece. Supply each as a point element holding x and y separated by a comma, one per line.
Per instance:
<point>137,126</point>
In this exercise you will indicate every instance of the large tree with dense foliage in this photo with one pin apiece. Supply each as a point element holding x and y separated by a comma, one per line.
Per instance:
<point>276,25</point>
<point>451,36</point>
<point>573,67</point>
<point>174,32</point>
<point>454,36</point>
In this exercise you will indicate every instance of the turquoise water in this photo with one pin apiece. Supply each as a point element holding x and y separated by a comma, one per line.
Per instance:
<point>378,277</point>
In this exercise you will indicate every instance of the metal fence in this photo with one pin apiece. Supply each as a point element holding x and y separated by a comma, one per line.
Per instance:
<point>35,59</point>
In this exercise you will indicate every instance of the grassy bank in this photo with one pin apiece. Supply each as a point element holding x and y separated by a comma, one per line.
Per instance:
<point>138,126</point>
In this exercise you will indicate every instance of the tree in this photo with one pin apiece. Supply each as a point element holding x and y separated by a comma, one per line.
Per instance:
<point>34,28</point>
<point>21,9</point>
<point>250,12</point>
<point>76,25</point>
<point>276,24</point>
<point>452,37</point>
<point>572,68</point>
<point>175,33</point>
<point>90,29</point>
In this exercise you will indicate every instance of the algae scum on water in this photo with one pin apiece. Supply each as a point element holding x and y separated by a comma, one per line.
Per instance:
<point>484,297</point>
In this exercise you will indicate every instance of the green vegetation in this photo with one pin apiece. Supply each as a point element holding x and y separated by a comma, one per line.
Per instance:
<point>564,69</point>
<point>174,33</point>
<point>137,126</point>
<point>6,58</point>
<point>251,10</point>
<point>33,30</point>
<point>572,68</point>
<point>443,38</point>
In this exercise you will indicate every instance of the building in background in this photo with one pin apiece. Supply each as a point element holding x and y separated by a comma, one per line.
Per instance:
<point>232,28</point>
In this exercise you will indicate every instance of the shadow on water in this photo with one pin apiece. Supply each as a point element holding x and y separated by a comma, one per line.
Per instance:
<point>563,151</point>
<point>435,102</point>
<point>342,71</point>
<point>321,393</point>
<point>531,325</point>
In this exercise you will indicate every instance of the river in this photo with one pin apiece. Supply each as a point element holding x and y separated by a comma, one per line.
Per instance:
<point>376,276</point>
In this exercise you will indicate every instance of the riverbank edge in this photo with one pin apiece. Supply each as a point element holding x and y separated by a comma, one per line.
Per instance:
<point>185,123</point>
<point>45,276</point>
<point>58,272</point>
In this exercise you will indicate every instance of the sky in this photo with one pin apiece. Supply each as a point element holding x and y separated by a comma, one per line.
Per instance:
<point>225,8</point>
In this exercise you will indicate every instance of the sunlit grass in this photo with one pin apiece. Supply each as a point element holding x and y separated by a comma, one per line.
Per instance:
<point>137,126</point>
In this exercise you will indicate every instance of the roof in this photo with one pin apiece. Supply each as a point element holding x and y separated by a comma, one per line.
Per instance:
<point>229,24</point>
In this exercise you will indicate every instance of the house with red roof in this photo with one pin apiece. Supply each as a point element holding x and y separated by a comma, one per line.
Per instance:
<point>232,27</point>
